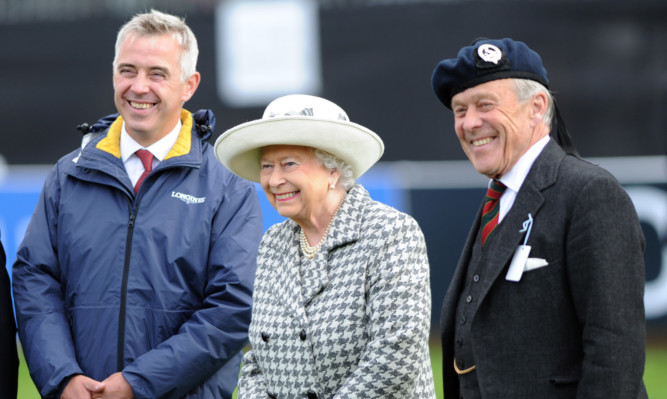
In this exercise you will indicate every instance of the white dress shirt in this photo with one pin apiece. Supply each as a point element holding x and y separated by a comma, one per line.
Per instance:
<point>159,149</point>
<point>515,177</point>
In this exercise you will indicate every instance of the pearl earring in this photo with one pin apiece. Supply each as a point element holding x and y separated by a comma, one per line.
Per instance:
<point>332,186</point>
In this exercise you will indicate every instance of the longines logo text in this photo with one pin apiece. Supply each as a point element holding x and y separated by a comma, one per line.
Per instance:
<point>187,198</point>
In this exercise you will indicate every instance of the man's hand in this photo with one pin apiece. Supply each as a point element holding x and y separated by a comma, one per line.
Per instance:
<point>114,387</point>
<point>81,387</point>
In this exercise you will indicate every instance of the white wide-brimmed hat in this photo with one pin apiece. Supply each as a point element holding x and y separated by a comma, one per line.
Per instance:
<point>303,120</point>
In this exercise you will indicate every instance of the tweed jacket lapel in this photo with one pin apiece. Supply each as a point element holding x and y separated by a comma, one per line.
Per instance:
<point>529,200</point>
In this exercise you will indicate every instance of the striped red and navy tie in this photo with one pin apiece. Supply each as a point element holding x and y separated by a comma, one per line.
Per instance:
<point>490,211</point>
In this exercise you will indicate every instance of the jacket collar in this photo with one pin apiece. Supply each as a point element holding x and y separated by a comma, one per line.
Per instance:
<point>111,142</point>
<point>101,150</point>
<point>104,149</point>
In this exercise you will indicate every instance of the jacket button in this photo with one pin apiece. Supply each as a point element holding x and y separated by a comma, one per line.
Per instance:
<point>265,337</point>
<point>272,396</point>
<point>302,335</point>
<point>311,394</point>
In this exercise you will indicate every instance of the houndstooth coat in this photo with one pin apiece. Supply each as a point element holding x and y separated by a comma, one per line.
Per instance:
<point>351,323</point>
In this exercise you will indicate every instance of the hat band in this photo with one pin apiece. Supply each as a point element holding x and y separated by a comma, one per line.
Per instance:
<point>494,76</point>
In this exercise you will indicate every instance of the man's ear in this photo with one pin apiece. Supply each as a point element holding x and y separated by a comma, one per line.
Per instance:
<point>191,85</point>
<point>539,106</point>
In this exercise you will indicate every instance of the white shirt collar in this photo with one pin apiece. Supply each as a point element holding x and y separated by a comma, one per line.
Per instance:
<point>159,149</point>
<point>515,177</point>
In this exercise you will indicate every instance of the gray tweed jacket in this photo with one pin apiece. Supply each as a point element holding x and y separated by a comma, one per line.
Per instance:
<point>574,328</point>
<point>351,323</point>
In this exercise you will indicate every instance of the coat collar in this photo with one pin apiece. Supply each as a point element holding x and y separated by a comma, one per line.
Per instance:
<point>346,228</point>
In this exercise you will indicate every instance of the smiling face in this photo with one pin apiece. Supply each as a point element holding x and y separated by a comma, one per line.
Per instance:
<point>494,128</point>
<point>295,182</point>
<point>148,90</point>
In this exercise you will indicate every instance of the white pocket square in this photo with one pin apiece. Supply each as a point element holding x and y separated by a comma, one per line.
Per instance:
<point>535,263</point>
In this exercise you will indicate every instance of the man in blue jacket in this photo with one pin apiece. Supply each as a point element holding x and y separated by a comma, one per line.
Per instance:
<point>135,275</point>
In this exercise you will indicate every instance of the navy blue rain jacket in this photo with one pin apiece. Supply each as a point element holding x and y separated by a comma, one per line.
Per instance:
<point>157,285</point>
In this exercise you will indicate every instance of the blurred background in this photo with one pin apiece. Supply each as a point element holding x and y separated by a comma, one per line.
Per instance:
<point>606,60</point>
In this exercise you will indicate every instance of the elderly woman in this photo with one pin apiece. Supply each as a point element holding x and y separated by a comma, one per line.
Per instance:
<point>342,302</point>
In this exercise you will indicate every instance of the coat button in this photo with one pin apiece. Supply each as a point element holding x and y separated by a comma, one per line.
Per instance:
<point>272,396</point>
<point>475,278</point>
<point>311,394</point>
<point>469,298</point>
<point>265,337</point>
<point>302,335</point>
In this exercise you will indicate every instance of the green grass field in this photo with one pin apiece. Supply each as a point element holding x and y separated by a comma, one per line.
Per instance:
<point>655,375</point>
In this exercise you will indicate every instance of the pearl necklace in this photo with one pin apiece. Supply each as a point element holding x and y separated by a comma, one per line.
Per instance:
<point>310,251</point>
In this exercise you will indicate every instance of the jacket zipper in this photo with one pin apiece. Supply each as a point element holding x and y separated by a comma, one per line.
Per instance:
<point>126,272</point>
<point>123,291</point>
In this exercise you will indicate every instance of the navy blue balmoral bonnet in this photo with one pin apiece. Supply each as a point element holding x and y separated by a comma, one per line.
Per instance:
<point>486,60</point>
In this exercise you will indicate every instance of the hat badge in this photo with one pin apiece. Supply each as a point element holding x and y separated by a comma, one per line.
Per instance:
<point>489,53</point>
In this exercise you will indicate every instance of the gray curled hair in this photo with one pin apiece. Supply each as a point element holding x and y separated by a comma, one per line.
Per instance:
<point>526,88</point>
<point>155,23</point>
<point>332,162</point>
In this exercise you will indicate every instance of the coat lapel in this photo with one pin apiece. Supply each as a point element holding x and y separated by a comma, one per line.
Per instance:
<point>288,282</point>
<point>345,228</point>
<point>529,200</point>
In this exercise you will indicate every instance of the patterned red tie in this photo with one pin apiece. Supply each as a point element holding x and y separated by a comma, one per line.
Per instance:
<point>490,211</point>
<point>147,160</point>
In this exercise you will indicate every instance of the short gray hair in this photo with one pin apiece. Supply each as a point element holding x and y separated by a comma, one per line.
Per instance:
<point>526,88</point>
<point>332,162</point>
<point>155,23</point>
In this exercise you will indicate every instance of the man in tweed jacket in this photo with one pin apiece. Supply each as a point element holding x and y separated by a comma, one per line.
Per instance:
<point>567,319</point>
